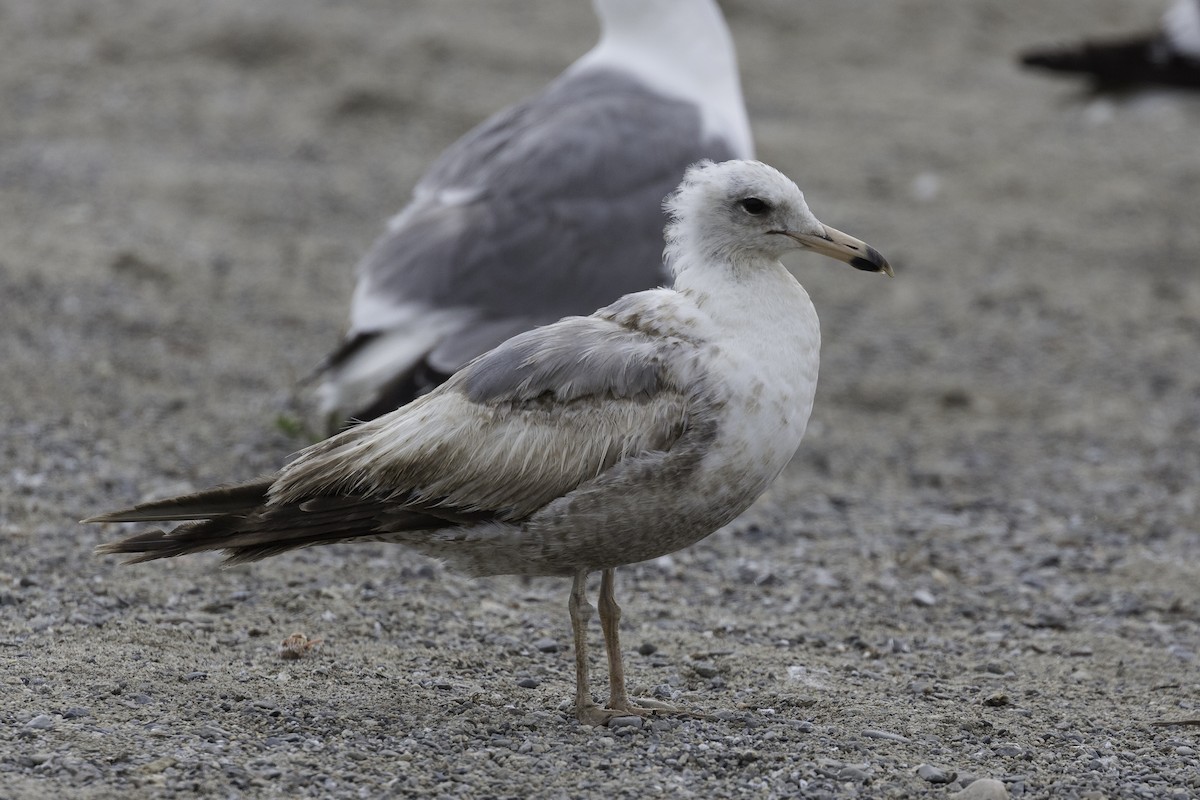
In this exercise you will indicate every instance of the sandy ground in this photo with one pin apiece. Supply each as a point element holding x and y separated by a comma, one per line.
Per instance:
<point>982,563</point>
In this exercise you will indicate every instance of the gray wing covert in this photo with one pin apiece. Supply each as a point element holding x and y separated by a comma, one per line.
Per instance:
<point>577,357</point>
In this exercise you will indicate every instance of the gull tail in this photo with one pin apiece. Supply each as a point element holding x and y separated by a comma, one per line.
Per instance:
<point>239,521</point>
<point>370,374</point>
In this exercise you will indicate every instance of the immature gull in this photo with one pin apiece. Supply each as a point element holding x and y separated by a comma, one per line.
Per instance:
<point>579,446</point>
<point>1169,56</point>
<point>549,208</point>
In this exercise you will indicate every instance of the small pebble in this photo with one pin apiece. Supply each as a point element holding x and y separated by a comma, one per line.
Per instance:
<point>824,579</point>
<point>529,683</point>
<point>647,649</point>
<point>923,597</point>
<point>663,691</point>
<point>158,765</point>
<point>934,775</point>
<point>42,722</point>
<point>983,789</point>
<point>631,721</point>
<point>705,669</point>
<point>212,733</point>
<point>546,645</point>
<point>1009,749</point>
<point>75,712</point>
<point>997,699</point>
<point>892,737</point>
<point>855,774</point>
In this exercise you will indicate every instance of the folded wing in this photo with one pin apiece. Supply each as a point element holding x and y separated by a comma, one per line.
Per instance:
<point>517,428</point>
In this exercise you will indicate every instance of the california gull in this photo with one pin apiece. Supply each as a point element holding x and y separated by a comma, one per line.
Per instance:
<point>548,208</point>
<point>1167,56</point>
<point>579,446</point>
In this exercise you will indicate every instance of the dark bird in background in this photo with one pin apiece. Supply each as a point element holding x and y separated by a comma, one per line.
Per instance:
<point>1168,56</point>
<point>550,207</point>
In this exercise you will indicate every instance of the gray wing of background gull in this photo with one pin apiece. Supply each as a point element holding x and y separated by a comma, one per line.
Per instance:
<point>549,208</point>
<point>1168,56</point>
<point>556,220</point>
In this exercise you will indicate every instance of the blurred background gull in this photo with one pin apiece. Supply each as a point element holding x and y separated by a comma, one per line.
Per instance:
<point>549,208</point>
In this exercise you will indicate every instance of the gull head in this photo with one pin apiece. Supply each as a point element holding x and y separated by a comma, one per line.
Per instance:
<point>745,211</point>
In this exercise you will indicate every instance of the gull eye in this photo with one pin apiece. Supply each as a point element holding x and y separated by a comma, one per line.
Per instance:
<point>754,207</point>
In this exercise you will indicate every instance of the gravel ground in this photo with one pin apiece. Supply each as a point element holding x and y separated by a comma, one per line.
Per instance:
<point>982,563</point>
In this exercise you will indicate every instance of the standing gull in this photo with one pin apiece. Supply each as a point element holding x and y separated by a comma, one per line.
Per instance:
<point>548,208</point>
<point>1168,56</point>
<point>579,446</point>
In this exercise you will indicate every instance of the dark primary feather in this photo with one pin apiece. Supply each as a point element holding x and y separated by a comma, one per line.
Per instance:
<point>239,521</point>
<point>201,505</point>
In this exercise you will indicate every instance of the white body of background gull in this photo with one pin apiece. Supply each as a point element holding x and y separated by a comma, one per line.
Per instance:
<point>549,208</point>
<point>580,446</point>
<point>1169,56</point>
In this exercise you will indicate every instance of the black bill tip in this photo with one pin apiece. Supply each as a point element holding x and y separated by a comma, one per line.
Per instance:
<point>873,261</point>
